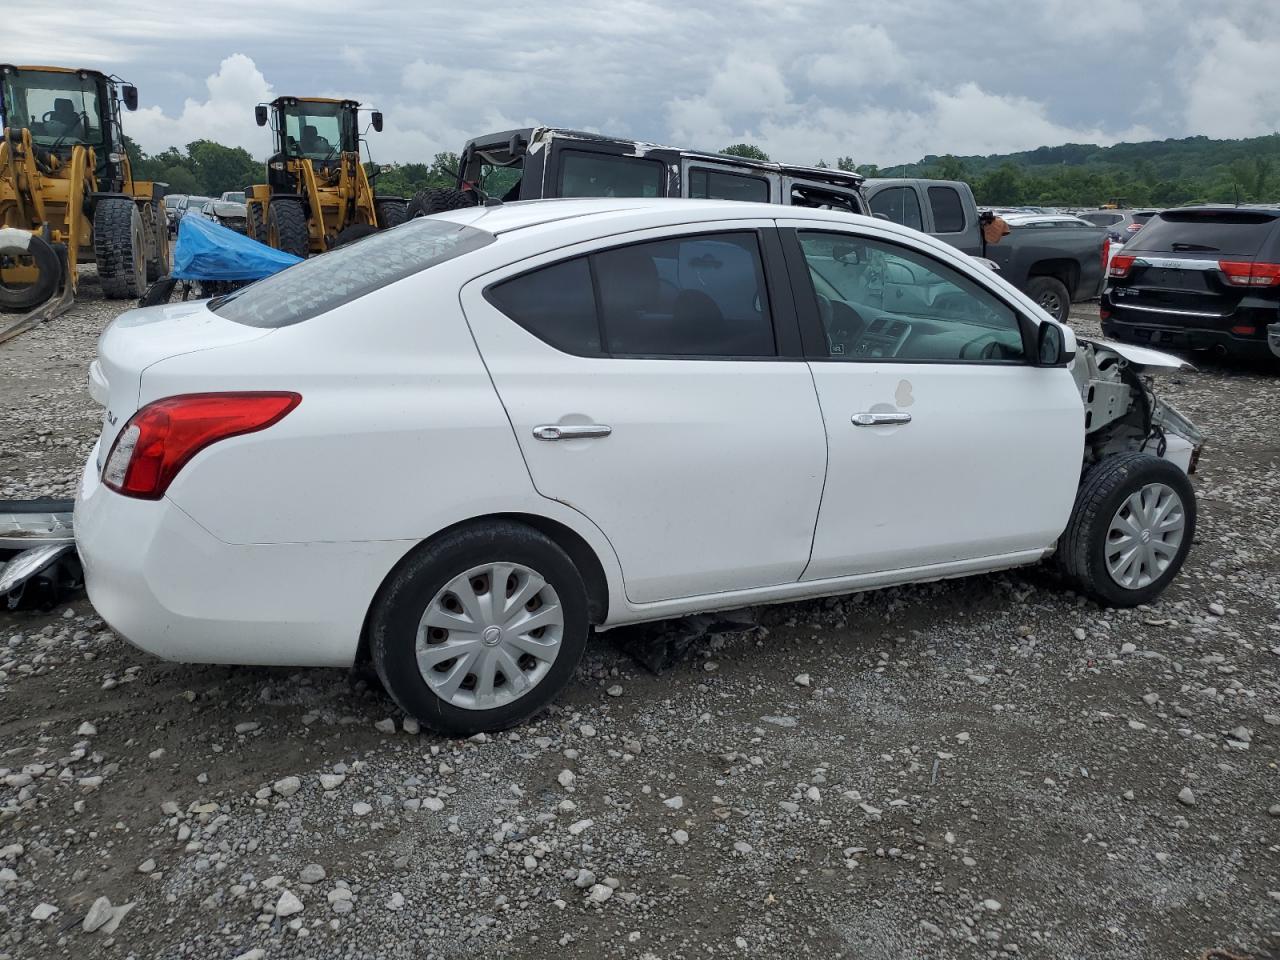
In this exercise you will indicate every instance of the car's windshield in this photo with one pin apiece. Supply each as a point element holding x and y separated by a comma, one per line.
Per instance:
<point>323,283</point>
<point>173,201</point>
<point>234,196</point>
<point>315,130</point>
<point>58,108</point>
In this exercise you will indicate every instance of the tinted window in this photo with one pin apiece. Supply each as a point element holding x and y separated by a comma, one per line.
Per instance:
<point>688,296</point>
<point>1235,232</point>
<point>555,304</point>
<point>698,296</point>
<point>603,175</point>
<point>948,211</point>
<point>715,185</point>
<point>898,204</point>
<point>1101,219</point>
<point>881,301</point>
<point>315,286</point>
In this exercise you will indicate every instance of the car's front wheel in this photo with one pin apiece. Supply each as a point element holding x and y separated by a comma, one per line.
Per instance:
<point>1130,530</point>
<point>479,629</point>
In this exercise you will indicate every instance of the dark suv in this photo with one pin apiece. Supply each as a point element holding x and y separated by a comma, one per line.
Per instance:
<point>541,162</point>
<point>1199,278</point>
<point>1120,225</point>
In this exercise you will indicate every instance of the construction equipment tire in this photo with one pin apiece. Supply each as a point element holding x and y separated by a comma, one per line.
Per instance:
<point>16,243</point>
<point>119,246</point>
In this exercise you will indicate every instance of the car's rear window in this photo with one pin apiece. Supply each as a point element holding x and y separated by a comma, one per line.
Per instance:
<point>1238,233</point>
<point>322,283</point>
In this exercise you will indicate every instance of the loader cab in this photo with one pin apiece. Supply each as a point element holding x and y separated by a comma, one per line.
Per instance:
<point>65,108</point>
<point>313,129</point>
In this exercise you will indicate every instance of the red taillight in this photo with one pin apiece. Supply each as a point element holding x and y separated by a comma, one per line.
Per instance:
<point>1120,265</point>
<point>160,438</point>
<point>1106,252</point>
<point>1242,273</point>
<point>1104,313</point>
<point>1244,330</point>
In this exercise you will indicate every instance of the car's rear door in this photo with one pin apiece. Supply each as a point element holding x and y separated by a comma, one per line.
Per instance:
<point>945,443</point>
<point>655,383</point>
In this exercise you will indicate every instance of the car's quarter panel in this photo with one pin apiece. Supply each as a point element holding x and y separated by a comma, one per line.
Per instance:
<point>986,458</point>
<point>711,474</point>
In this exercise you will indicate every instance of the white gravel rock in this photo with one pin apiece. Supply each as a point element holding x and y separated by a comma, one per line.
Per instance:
<point>288,904</point>
<point>287,786</point>
<point>43,911</point>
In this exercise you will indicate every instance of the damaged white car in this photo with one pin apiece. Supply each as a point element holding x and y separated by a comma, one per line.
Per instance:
<point>458,445</point>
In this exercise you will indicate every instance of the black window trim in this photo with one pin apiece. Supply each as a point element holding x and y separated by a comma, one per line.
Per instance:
<point>686,185</point>
<point>818,349</point>
<point>787,334</point>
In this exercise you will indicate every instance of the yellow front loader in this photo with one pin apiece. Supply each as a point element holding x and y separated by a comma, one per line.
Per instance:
<point>317,193</point>
<point>68,196</point>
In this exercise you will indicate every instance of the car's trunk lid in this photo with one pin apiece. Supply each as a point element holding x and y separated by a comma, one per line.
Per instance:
<point>140,338</point>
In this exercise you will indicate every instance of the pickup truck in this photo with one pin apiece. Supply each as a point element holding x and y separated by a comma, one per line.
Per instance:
<point>534,163</point>
<point>1053,263</point>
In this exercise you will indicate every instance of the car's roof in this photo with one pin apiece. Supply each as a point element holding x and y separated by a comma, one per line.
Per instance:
<point>1225,208</point>
<point>1020,219</point>
<point>505,217</point>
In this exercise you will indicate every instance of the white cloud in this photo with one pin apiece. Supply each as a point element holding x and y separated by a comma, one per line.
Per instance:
<point>861,55</point>
<point>1230,92</point>
<point>226,116</point>
<point>357,58</point>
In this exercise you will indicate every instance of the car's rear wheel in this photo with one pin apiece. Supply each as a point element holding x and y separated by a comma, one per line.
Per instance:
<point>1131,528</point>
<point>479,629</point>
<point>1052,295</point>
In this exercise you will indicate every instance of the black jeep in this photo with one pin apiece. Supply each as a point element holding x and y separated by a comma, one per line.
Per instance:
<point>542,162</point>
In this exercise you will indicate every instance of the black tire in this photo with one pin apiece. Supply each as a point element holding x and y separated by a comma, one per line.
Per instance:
<point>158,260</point>
<point>1082,549</point>
<point>119,246</point>
<point>287,227</point>
<point>253,227</point>
<point>437,200</point>
<point>357,231</point>
<point>48,274</point>
<point>1051,294</point>
<point>391,213</point>
<point>400,604</point>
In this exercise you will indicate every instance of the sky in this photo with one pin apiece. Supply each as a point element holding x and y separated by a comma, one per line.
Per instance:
<point>803,79</point>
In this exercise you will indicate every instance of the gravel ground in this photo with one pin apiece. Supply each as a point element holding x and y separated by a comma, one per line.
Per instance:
<point>978,768</point>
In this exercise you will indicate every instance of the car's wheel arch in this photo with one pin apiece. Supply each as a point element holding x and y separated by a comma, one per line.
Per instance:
<point>601,581</point>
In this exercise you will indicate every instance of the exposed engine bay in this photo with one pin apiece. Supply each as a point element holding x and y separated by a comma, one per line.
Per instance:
<point>1122,413</point>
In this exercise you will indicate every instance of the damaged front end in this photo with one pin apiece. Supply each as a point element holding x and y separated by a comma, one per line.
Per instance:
<point>1122,412</point>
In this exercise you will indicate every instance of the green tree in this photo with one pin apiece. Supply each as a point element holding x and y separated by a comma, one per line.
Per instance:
<point>222,168</point>
<point>846,164</point>
<point>1002,187</point>
<point>748,150</point>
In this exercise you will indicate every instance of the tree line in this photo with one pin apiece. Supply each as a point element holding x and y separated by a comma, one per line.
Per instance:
<point>1153,173</point>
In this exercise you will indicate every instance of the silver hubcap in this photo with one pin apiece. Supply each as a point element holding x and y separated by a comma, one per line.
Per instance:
<point>489,636</point>
<point>1144,536</point>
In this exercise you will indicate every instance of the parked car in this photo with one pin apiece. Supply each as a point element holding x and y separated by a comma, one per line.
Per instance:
<point>188,204</point>
<point>228,213</point>
<point>1055,264</point>
<point>173,203</point>
<point>606,393</point>
<point>233,196</point>
<point>1199,278</point>
<point>1120,225</point>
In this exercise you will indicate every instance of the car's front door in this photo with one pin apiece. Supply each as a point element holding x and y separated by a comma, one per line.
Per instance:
<point>945,443</point>
<point>657,386</point>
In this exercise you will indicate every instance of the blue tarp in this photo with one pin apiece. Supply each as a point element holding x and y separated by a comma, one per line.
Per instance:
<point>210,251</point>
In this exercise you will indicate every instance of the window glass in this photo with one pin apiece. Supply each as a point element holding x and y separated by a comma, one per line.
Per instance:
<point>881,301</point>
<point>948,211</point>
<point>716,185</point>
<point>899,205</point>
<point>1101,219</point>
<point>314,130</point>
<point>556,304</point>
<point>585,174</point>
<point>1235,232</point>
<point>695,296</point>
<point>318,285</point>
<point>60,109</point>
<point>691,296</point>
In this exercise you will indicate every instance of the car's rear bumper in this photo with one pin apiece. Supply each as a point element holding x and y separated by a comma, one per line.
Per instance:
<point>1170,335</point>
<point>171,588</point>
<point>1273,338</point>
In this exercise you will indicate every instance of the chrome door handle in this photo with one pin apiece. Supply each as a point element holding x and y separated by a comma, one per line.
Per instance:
<point>571,431</point>
<point>879,419</point>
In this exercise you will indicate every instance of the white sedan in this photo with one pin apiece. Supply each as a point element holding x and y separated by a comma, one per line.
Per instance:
<point>458,445</point>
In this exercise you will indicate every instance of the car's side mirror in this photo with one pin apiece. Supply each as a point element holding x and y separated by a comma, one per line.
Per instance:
<point>1051,346</point>
<point>130,93</point>
<point>260,114</point>
<point>845,253</point>
<point>377,120</point>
